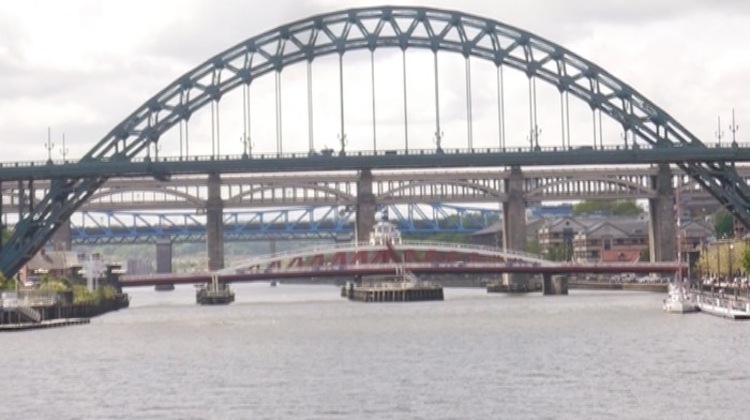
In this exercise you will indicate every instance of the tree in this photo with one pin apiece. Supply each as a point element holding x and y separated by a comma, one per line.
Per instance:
<point>533,247</point>
<point>609,207</point>
<point>559,252</point>
<point>723,223</point>
<point>746,259</point>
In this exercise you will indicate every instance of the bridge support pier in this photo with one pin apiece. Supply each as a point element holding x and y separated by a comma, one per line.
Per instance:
<point>554,285</point>
<point>662,223</point>
<point>365,214</point>
<point>163,256</point>
<point>215,223</point>
<point>62,240</point>
<point>514,226</point>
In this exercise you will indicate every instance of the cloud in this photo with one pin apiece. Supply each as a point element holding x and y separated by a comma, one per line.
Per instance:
<point>85,67</point>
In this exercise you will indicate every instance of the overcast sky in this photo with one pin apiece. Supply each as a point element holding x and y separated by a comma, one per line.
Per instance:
<point>81,66</point>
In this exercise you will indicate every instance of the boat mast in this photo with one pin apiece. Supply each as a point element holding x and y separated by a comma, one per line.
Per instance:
<point>678,210</point>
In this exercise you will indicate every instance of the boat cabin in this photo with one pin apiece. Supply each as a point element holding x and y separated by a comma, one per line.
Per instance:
<point>385,232</point>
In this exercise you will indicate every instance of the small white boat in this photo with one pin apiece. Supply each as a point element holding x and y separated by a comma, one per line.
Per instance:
<point>722,306</point>
<point>678,301</point>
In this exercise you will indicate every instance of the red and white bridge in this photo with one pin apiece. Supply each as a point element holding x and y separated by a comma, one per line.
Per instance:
<point>419,257</point>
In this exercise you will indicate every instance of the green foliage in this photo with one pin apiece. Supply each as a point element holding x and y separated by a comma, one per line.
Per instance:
<point>54,286</point>
<point>559,252</point>
<point>724,258</point>
<point>7,284</point>
<point>745,262</point>
<point>533,247</point>
<point>723,224</point>
<point>609,207</point>
<point>82,295</point>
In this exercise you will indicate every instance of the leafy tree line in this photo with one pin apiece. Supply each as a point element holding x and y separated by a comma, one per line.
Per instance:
<point>608,207</point>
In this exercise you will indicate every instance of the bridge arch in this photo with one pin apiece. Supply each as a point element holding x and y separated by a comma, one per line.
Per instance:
<point>333,193</point>
<point>469,185</point>
<point>166,191</point>
<point>638,190</point>
<point>394,27</point>
<point>424,28</point>
<point>371,28</point>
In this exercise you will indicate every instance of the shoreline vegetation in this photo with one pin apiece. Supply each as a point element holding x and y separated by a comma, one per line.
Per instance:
<point>55,302</point>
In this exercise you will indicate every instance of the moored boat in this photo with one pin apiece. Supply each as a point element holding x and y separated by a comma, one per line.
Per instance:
<point>722,306</point>
<point>678,301</point>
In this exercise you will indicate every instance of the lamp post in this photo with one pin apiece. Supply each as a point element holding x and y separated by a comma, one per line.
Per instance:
<point>718,261</point>
<point>734,128</point>
<point>49,145</point>
<point>64,150</point>
<point>731,256</point>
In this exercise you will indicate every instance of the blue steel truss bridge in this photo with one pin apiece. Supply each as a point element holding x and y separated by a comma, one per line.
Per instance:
<point>159,140</point>
<point>305,223</point>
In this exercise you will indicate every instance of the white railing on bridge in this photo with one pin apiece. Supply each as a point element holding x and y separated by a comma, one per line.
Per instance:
<point>396,267</point>
<point>366,246</point>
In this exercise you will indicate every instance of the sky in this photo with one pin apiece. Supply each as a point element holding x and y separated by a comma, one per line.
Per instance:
<point>81,66</point>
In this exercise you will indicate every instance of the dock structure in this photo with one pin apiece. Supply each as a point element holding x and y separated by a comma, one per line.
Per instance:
<point>720,303</point>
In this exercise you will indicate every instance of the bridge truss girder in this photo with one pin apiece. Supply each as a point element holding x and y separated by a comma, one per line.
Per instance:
<point>308,223</point>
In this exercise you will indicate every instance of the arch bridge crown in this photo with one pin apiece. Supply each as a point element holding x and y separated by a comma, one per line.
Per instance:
<point>389,27</point>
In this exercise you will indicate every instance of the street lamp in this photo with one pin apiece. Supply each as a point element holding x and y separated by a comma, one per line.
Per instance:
<point>64,150</point>
<point>49,145</point>
<point>731,256</point>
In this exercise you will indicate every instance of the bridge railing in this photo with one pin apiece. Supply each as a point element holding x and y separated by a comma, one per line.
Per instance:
<point>385,268</point>
<point>365,153</point>
<point>351,246</point>
<point>481,248</point>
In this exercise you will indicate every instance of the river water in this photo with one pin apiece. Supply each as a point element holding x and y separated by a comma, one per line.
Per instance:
<point>302,352</point>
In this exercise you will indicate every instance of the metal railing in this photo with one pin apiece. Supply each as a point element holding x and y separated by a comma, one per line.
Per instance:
<point>366,246</point>
<point>368,153</point>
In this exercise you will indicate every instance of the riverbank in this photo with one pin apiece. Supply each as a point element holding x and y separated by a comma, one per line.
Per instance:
<point>60,314</point>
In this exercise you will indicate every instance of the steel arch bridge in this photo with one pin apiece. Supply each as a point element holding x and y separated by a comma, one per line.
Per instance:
<point>368,29</point>
<point>312,222</point>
